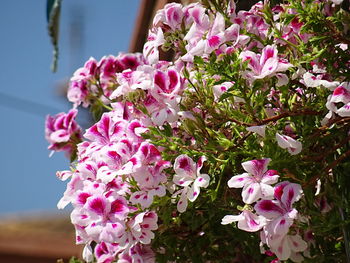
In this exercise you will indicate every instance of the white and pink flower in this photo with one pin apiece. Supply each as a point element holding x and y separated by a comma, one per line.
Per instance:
<point>256,182</point>
<point>188,176</point>
<point>62,131</point>
<point>286,142</point>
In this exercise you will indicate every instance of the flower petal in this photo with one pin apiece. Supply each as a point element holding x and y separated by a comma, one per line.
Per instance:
<point>182,204</point>
<point>251,193</point>
<point>202,181</point>
<point>251,222</point>
<point>256,167</point>
<point>269,208</point>
<point>228,219</point>
<point>291,193</point>
<point>185,166</point>
<point>297,244</point>
<point>238,181</point>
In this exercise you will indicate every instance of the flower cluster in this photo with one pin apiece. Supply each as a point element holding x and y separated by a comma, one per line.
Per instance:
<point>271,81</point>
<point>97,79</point>
<point>273,206</point>
<point>63,132</point>
<point>116,178</point>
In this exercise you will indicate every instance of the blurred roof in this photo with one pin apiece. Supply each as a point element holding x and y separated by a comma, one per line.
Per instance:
<point>37,238</point>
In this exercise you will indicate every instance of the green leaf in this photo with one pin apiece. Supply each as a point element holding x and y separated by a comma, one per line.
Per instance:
<point>53,11</point>
<point>75,260</point>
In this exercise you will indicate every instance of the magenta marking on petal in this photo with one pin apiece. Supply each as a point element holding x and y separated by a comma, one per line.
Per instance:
<point>144,150</point>
<point>250,190</point>
<point>196,15</point>
<point>280,249</point>
<point>269,53</point>
<point>252,222</point>
<point>101,249</point>
<point>89,167</point>
<point>108,194</point>
<point>271,173</point>
<point>269,206</point>
<point>160,81</point>
<point>259,165</point>
<point>117,206</point>
<point>214,41</point>
<point>173,77</point>
<point>278,191</point>
<point>339,91</point>
<point>97,205</point>
<point>184,164</point>
<point>291,195</point>
<point>282,222</point>
<point>200,179</point>
<point>104,125</point>
<point>137,196</point>
<point>145,225</point>
<point>113,154</point>
<point>82,197</point>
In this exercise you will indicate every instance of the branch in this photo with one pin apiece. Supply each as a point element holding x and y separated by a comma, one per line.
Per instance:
<point>289,114</point>
<point>337,161</point>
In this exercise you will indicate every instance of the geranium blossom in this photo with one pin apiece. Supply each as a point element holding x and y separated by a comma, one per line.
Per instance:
<point>247,221</point>
<point>256,182</point>
<point>265,64</point>
<point>62,131</point>
<point>188,176</point>
<point>285,142</point>
<point>280,212</point>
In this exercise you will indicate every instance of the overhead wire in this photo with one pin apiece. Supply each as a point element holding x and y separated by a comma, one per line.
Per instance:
<point>24,105</point>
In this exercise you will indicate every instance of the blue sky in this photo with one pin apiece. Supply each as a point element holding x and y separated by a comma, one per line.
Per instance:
<point>29,90</point>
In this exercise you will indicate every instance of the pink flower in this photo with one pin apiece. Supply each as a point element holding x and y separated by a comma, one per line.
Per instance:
<point>142,226</point>
<point>220,89</point>
<point>170,15</point>
<point>266,64</point>
<point>312,81</point>
<point>279,213</point>
<point>288,247</point>
<point>339,101</point>
<point>258,129</point>
<point>247,221</point>
<point>137,253</point>
<point>106,252</point>
<point>257,182</point>
<point>154,41</point>
<point>187,173</point>
<point>62,131</point>
<point>285,142</point>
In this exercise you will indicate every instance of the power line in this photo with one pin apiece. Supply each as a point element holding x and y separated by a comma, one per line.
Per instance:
<point>26,106</point>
